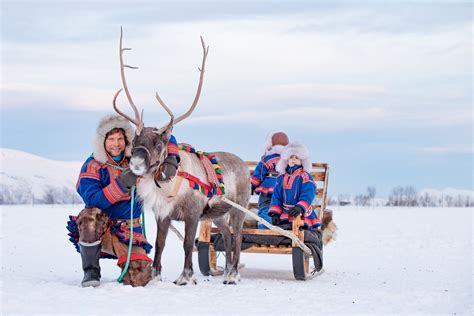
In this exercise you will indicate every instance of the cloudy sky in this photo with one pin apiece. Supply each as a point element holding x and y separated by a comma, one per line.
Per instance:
<point>382,91</point>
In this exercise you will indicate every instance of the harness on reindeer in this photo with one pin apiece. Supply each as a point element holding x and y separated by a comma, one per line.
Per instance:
<point>213,172</point>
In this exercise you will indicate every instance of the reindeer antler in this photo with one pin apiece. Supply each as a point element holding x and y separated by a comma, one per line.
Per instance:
<point>196,98</point>
<point>167,109</point>
<point>138,121</point>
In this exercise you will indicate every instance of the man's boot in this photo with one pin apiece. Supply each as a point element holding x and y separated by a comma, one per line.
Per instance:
<point>90,254</point>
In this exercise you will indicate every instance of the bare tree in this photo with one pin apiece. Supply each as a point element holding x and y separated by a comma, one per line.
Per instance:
<point>371,191</point>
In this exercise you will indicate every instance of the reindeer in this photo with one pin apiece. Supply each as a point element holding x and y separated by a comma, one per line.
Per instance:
<point>171,201</point>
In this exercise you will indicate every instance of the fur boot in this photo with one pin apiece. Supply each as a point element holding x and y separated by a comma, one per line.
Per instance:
<point>90,254</point>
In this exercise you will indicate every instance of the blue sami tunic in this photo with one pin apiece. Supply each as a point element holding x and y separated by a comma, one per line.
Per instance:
<point>98,188</point>
<point>295,187</point>
<point>262,180</point>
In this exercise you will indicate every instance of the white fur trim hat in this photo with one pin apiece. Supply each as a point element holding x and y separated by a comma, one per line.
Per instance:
<point>107,124</point>
<point>299,150</point>
<point>270,147</point>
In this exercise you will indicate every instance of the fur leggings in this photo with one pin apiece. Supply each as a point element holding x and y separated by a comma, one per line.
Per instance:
<point>93,224</point>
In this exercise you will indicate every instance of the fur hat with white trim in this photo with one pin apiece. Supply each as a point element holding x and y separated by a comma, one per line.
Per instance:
<point>107,124</point>
<point>297,149</point>
<point>275,143</point>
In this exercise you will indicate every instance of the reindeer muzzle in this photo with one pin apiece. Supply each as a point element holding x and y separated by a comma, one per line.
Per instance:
<point>140,161</point>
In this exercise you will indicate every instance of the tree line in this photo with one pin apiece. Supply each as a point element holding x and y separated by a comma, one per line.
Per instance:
<point>405,196</point>
<point>399,196</point>
<point>24,195</point>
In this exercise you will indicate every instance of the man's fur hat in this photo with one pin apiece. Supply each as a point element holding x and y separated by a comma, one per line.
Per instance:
<point>107,124</point>
<point>298,150</point>
<point>275,143</point>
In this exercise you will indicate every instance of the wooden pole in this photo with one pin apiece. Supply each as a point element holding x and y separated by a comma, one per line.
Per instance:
<point>178,234</point>
<point>283,232</point>
<point>176,231</point>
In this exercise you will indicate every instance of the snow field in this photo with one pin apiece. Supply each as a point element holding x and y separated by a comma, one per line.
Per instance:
<point>385,261</point>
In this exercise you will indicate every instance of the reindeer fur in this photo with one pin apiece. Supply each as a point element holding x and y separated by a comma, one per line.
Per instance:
<point>148,153</point>
<point>328,227</point>
<point>191,206</point>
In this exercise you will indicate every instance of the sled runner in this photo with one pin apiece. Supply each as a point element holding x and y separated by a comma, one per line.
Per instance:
<point>273,242</point>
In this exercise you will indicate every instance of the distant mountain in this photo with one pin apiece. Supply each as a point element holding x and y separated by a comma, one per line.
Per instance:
<point>30,179</point>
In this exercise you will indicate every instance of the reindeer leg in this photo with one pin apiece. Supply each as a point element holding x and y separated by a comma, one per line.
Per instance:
<point>162,227</point>
<point>190,228</point>
<point>237,222</point>
<point>221,223</point>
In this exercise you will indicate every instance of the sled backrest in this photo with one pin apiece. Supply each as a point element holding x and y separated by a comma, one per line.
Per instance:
<point>320,173</point>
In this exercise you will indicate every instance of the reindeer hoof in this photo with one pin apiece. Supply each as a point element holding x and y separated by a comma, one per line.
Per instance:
<point>182,280</point>
<point>182,283</point>
<point>232,278</point>
<point>229,282</point>
<point>156,275</point>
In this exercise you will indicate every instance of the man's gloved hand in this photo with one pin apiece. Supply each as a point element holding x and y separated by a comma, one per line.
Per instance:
<point>296,210</point>
<point>127,179</point>
<point>275,219</point>
<point>168,168</point>
<point>252,189</point>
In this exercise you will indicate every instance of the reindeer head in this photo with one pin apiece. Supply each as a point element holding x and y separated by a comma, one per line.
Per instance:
<point>149,147</point>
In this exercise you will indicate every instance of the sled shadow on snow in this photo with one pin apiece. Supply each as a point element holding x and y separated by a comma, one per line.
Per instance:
<point>277,275</point>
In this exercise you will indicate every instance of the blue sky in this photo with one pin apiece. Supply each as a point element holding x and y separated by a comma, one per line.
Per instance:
<point>382,91</point>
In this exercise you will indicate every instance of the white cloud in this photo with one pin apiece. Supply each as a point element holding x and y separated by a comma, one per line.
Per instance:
<point>315,91</point>
<point>348,77</point>
<point>455,148</point>
<point>56,96</point>
<point>315,118</point>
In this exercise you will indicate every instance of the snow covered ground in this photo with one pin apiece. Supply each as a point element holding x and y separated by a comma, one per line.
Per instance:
<point>386,260</point>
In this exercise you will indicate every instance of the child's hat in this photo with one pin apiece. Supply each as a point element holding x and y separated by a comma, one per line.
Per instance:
<point>275,139</point>
<point>298,150</point>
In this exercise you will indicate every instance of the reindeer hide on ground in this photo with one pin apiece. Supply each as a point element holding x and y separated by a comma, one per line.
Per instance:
<point>328,227</point>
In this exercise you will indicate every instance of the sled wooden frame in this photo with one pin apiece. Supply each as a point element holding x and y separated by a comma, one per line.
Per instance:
<point>301,271</point>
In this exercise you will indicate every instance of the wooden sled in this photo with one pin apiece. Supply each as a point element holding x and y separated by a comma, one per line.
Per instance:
<point>301,261</point>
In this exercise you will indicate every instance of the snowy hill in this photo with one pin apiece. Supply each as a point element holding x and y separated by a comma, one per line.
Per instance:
<point>26,178</point>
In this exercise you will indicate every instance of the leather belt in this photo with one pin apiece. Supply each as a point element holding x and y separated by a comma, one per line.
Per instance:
<point>137,222</point>
<point>272,174</point>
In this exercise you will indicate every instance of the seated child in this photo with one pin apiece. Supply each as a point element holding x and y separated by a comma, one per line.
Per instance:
<point>294,189</point>
<point>264,176</point>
